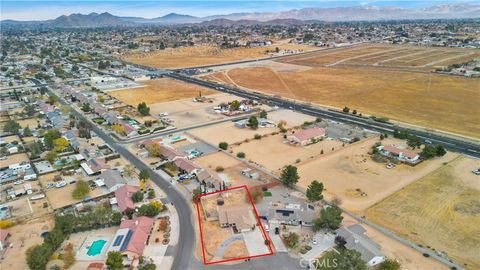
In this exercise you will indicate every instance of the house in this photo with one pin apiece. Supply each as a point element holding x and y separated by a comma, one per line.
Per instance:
<point>241,219</point>
<point>4,237</point>
<point>72,140</point>
<point>291,214</point>
<point>307,136</point>
<point>11,148</point>
<point>132,237</point>
<point>94,166</point>
<point>112,179</point>
<point>123,196</point>
<point>169,152</point>
<point>129,130</point>
<point>210,180</point>
<point>402,155</point>
<point>186,166</point>
<point>356,239</point>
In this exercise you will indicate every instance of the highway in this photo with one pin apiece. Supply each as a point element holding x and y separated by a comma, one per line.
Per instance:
<point>450,143</point>
<point>186,241</point>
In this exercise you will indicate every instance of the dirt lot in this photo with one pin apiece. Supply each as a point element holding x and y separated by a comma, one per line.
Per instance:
<point>205,55</point>
<point>441,211</point>
<point>350,172</point>
<point>434,101</point>
<point>232,169</point>
<point>409,258</point>
<point>185,112</point>
<point>23,237</point>
<point>59,197</point>
<point>31,122</point>
<point>274,152</point>
<point>159,90</point>
<point>14,159</point>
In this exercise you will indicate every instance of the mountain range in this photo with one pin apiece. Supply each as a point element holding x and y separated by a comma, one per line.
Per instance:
<point>294,16</point>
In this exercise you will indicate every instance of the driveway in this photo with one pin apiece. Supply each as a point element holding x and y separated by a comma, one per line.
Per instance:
<point>255,242</point>
<point>324,243</point>
<point>277,241</point>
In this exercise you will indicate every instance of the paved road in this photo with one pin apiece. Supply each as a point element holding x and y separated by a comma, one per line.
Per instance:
<point>451,143</point>
<point>186,240</point>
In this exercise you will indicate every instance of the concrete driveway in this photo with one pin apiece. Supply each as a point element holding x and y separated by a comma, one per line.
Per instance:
<point>255,242</point>
<point>324,243</point>
<point>277,241</point>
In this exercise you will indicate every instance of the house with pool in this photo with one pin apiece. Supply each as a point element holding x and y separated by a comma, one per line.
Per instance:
<point>132,237</point>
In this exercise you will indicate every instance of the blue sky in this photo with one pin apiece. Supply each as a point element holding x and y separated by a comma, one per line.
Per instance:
<point>42,10</point>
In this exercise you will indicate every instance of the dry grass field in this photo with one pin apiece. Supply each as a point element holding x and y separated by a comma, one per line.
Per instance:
<point>351,175</point>
<point>205,55</point>
<point>441,211</point>
<point>159,90</point>
<point>440,102</point>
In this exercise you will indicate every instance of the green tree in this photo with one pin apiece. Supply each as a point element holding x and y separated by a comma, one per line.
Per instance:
<point>143,109</point>
<point>52,99</point>
<point>114,260</point>
<point>241,155</point>
<point>389,264</point>
<point>343,259</point>
<point>137,196</point>
<point>330,218</point>
<point>346,109</point>
<point>149,210</point>
<point>428,152</point>
<point>38,256</point>
<point>27,132</point>
<point>60,144</point>
<point>86,107</point>
<point>49,137</point>
<point>223,145</point>
<point>54,238</point>
<point>51,156</point>
<point>314,191</point>
<point>144,174</point>
<point>263,114</point>
<point>289,176</point>
<point>151,193</point>
<point>11,126</point>
<point>253,122</point>
<point>81,190</point>
<point>440,151</point>
<point>29,109</point>
<point>234,105</point>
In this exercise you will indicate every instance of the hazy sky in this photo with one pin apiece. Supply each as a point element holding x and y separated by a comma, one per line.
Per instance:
<point>42,10</point>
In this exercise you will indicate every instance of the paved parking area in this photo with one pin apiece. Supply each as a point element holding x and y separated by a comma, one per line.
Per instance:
<point>277,241</point>
<point>198,146</point>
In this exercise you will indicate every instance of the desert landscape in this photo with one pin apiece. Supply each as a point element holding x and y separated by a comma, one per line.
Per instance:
<point>360,79</point>
<point>441,211</point>
<point>159,90</point>
<point>206,55</point>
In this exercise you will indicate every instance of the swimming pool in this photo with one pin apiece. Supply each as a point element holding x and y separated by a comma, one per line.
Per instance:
<point>96,247</point>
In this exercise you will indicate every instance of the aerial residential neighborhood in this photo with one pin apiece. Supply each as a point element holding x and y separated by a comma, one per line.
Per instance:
<point>279,135</point>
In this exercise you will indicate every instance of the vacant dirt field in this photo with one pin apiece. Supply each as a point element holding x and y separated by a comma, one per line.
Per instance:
<point>410,57</point>
<point>351,175</point>
<point>206,55</point>
<point>274,152</point>
<point>434,101</point>
<point>14,159</point>
<point>159,90</point>
<point>23,237</point>
<point>441,211</point>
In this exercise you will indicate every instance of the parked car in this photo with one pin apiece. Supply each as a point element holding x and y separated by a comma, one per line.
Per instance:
<point>277,230</point>
<point>476,172</point>
<point>314,241</point>
<point>18,182</point>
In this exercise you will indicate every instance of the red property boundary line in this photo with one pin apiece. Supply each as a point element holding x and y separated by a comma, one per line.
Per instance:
<point>197,200</point>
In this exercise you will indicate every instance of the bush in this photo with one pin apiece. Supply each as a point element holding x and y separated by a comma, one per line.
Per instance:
<point>81,190</point>
<point>137,196</point>
<point>257,136</point>
<point>241,155</point>
<point>291,240</point>
<point>219,169</point>
<point>223,145</point>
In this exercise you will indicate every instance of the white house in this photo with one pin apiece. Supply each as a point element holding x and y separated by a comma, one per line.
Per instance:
<point>402,155</point>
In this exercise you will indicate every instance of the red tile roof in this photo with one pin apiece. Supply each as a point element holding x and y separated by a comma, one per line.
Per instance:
<point>4,234</point>
<point>140,228</point>
<point>124,197</point>
<point>169,152</point>
<point>307,134</point>
<point>96,266</point>
<point>186,165</point>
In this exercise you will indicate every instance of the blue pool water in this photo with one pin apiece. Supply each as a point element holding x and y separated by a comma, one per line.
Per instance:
<point>96,247</point>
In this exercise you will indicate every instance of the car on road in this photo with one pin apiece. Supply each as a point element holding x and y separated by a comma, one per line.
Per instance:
<point>428,142</point>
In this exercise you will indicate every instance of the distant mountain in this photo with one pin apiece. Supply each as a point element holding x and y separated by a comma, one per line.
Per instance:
<point>90,20</point>
<point>294,16</point>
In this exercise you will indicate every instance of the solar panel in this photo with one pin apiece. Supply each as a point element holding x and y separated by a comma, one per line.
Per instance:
<point>118,240</point>
<point>127,239</point>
